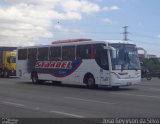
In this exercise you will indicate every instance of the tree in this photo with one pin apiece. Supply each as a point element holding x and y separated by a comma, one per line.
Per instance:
<point>153,64</point>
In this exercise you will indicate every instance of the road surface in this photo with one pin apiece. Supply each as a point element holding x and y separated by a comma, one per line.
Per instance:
<point>22,99</point>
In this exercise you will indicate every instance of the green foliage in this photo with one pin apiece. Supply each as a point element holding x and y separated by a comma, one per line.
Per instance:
<point>152,64</point>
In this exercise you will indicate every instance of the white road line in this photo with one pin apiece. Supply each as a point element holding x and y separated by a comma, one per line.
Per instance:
<point>154,89</point>
<point>38,109</point>
<point>136,95</point>
<point>151,89</point>
<point>12,103</point>
<point>89,100</point>
<point>68,114</point>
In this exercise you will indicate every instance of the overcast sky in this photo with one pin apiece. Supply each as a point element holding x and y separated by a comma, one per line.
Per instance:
<point>30,22</point>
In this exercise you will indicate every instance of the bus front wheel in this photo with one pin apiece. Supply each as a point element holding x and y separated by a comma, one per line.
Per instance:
<point>90,81</point>
<point>115,87</point>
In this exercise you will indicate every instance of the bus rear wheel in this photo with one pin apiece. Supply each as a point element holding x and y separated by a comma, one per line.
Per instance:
<point>90,81</point>
<point>34,78</point>
<point>6,74</point>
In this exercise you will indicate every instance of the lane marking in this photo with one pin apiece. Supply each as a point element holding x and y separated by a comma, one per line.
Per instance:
<point>12,103</point>
<point>89,100</point>
<point>128,94</point>
<point>154,89</point>
<point>151,89</point>
<point>68,114</point>
<point>38,109</point>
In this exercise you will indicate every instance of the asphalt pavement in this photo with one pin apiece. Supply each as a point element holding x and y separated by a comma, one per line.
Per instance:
<point>21,98</point>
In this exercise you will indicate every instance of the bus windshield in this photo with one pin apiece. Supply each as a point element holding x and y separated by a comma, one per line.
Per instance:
<point>126,57</point>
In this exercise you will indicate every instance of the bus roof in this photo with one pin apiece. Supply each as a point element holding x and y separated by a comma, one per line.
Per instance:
<point>89,40</point>
<point>119,41</point>
<point>86,41</point>
<point>71,41</point>
<point>79,42</point>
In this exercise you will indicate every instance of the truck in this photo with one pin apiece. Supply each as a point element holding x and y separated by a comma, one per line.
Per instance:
<point>7,61</point>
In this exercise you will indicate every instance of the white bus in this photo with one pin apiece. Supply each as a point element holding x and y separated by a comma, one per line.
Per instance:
<point>81,62</point>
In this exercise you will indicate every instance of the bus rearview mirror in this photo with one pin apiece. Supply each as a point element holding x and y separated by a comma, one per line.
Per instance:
<point>113,50</point>
<point>142,49</point>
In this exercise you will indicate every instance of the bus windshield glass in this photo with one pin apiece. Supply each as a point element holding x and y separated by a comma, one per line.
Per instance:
<point>126,57</point>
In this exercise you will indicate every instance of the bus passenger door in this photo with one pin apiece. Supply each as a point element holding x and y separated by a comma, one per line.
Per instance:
<point>104,70</point>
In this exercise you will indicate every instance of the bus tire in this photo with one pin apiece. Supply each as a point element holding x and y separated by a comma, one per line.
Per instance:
<point>56,82</point>
<point>34,77</point>
<point>115,87</point>
<point>6,74</point>
<point>89,81</point>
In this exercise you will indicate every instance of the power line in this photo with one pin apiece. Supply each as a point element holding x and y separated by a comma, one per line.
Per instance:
<point>145,36</point>
<point>125,33</point>
<point>144,42</point>
<point>87,32</point>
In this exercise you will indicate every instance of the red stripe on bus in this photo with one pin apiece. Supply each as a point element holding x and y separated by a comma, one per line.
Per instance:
<point>71,40</point>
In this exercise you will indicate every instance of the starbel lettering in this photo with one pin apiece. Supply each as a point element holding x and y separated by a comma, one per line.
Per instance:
<point>54,64</point>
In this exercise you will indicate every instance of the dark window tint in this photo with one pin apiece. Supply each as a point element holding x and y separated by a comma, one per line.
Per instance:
<point>84,51</point>
<point>68,52</point>
<point>32,53</point>
<point>101,56</point>
<point>43,53</point>
<point>55,53</point>
<point>22,54</point>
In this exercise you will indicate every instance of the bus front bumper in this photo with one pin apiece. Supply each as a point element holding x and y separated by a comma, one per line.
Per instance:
<point>130,81</point>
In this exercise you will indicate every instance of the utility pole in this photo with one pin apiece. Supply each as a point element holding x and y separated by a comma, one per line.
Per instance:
<point>125,33</point>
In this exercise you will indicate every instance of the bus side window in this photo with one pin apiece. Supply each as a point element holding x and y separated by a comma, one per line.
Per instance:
<point>32,53</point>
<point>22,54</point>
<point>68,53</point>
<point>43,53</point>
<point>55,53</point>
<point>83,51</point>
